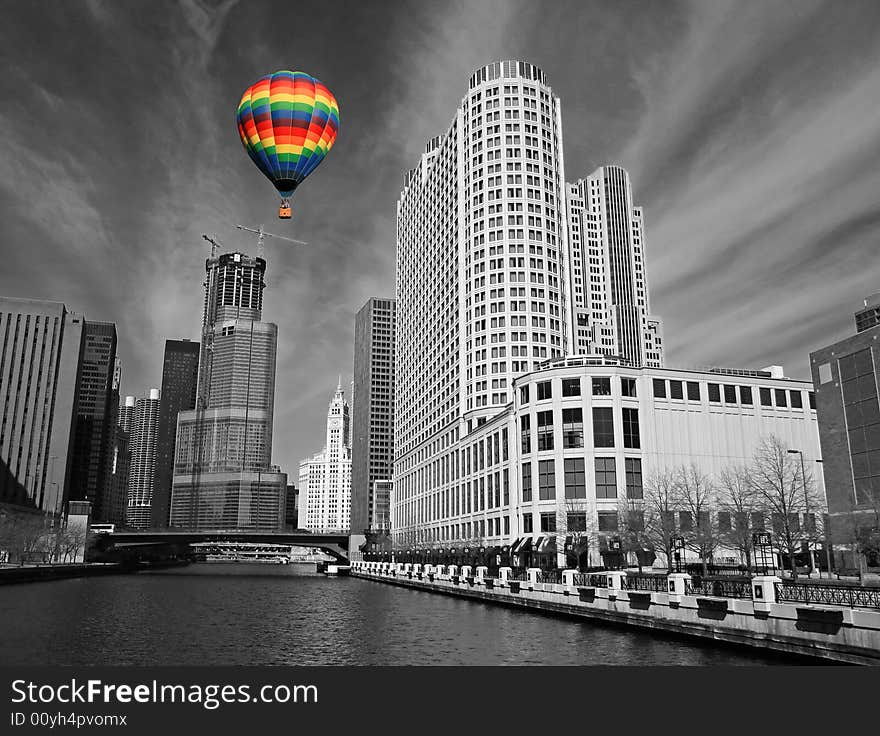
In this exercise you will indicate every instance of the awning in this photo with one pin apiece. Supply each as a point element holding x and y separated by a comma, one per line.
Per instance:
<point>546,545</point>
<point>526,546</point>
<point>517,543</point>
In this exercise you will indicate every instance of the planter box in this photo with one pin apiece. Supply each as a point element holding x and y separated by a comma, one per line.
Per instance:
<point>455,579</point>
<point>587,595</point>
<point>470,581</point>
<point>819,620</point>
<point>409,575</point>
<point>514,586</point>
<point>431,577</point>
<point>640,601</point>
<point>489,582</point>
<point>711,608</point>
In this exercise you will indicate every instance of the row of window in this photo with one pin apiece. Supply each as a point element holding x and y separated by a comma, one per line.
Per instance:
<point>574,478</point>
<point>573,428</point>
<point>599,386</point>
<point>741,395</point>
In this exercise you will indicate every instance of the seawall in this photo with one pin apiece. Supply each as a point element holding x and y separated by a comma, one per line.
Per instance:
<point>834,634</point>
<point>44,573</point>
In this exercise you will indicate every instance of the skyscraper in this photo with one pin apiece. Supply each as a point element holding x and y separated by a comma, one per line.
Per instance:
<point>372,451</point>
<point>325,479</point>
<point>483,214</point>
<point>180,370</point>
<point>95,415</point>
<point>142,468</point>
<point>115,498</point>
<point>869,315</point>
<point>39,366</point>
<point>223,472</point>
<point>607,284</point>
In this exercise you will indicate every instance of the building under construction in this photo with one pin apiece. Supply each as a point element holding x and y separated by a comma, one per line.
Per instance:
<point>223,472</point>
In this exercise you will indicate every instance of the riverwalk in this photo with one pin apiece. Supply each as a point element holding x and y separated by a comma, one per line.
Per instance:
<point>670,603</point>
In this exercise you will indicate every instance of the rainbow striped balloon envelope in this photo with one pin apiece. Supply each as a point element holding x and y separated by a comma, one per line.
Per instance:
<point>287,122</point>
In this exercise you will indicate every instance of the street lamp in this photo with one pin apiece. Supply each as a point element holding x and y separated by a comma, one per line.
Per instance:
<point>806,503</point>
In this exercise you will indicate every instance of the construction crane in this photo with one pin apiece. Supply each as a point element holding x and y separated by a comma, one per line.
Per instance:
<point>261,234</point>
<point>215,244</point>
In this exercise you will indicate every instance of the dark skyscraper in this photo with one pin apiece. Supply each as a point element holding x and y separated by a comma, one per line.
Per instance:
<point>180,373</point>
<point>95,418</point>
<point>373,413</point>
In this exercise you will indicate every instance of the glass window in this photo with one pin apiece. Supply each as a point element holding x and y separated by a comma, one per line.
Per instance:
<point>631,428</point>
<point>607,521</point>
<point>628,387</point>
<point>633,467</point>
<point>766,399</point>
<point>780,397</point>
<point>525,433</point>
<point>526,482</point>
<point>545,430</point>
<point>576,521</point>
<point>548,522</point>
<point>575,478</point>
<point>603,426</point>
<point>571,386</point>
<point>729,394</point>
<point>527,524</point>
<point>572,428</point>
<point>745,395</point>
<point>545,390</point>
<point>812,395</point>
<point>601,386</point>
<point>715,393</point>
<point>685,521</point>
<point>693,391</point>
<point>524,394</point>
<point>606,478</point>
<point>796,399</point>
<point>675,390</point>
<point>504,444</point>
<point>635,520</point>
<point>659,388</point>
<point>546,480</point>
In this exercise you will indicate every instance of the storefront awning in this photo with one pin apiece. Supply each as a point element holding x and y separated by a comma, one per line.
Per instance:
<point>546,545</point>
<point>526,546</point>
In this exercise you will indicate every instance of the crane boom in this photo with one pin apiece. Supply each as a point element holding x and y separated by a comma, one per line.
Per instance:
<point>261,234</point>
<point>215,244</point>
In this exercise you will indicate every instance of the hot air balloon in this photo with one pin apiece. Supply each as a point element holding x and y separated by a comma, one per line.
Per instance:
<point>287,122</point>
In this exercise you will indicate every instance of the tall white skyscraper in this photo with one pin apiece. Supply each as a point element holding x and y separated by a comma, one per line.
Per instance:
<point>325,479</point>
<point>610,312</point>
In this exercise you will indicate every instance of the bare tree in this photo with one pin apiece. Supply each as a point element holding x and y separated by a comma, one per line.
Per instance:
<point>660,502</point>
<point>738,500</point>
<point>696,494</point>
<point>785,493</point>
<point>576,521</point>
<point>634,537</point>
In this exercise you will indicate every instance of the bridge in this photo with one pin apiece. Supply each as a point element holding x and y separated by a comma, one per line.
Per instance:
<point>337,545</point>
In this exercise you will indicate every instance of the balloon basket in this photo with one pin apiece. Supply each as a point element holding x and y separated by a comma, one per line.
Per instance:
<point>283,213</point>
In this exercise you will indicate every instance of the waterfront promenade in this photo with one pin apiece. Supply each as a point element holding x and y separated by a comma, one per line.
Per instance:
<point>827,622</point>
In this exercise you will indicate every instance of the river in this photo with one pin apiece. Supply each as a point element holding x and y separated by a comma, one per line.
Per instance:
<point>245,614</point>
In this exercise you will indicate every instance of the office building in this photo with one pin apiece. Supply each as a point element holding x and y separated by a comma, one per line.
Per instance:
<point>372,450</point>
<point>380,515</point>
<point>325,479</point>
<point>607,285</point>
<point>530,373</point>
<point>115,498</point>
<point>291,507</point>
<point>846,376</point>
<point>39,369</point>
<point>223,472</point>
<point>180,370</point>
<point>143,433</point>
<point>95,416</point>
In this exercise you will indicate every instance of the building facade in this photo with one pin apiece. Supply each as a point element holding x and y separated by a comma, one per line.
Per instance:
<point>115,499</point>
<point>143,434</point>
<point>180,371</point>
<point>95,416</point>
<point>325,479</point>
<point>39,369</point>
<point>847,376</point>
<point>372,450</point>
<point>223,472</point>
<point>610,312</point>
<point>584,434</point>
<point>869,314</point>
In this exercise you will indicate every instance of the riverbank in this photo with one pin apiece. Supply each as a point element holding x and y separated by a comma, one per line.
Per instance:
<point>836,635</point>
<point>45,573</point>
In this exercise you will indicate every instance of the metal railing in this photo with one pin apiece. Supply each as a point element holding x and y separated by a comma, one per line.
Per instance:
<point>589,580</point>
<point>521,575</point>
<point>651,583</point>
<point>835,595</point>
<point>550,576</point>
<point>719,587</point>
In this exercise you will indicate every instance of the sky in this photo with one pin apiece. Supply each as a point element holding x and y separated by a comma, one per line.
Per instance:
<point>751,131</point>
